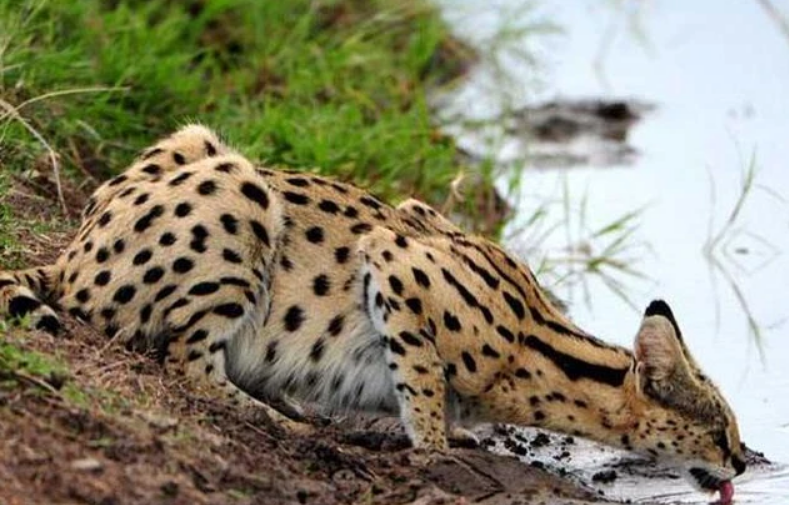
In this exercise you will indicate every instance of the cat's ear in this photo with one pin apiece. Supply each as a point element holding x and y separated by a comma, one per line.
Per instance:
<point>661,360</point>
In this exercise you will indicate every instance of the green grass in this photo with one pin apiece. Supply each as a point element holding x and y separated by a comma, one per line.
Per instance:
<point>339,85</point>
<point>47,374</point>
<point>18,365</point>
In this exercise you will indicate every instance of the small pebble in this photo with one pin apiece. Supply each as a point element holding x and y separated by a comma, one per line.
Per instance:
<point>87,465</point>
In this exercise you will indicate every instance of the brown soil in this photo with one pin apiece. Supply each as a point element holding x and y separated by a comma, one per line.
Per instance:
<point>136,435</point>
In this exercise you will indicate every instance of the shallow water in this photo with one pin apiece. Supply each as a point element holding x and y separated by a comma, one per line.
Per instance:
<point>718,74</point>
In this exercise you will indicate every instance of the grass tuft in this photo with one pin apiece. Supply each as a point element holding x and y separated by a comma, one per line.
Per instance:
<point>336,85</point>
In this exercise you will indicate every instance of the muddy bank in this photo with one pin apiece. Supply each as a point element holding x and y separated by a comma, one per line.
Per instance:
<point>137,436</point>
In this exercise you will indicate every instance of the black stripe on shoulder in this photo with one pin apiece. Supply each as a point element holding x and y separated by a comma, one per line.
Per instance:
<point>661,308</point>
<point>575,368</point>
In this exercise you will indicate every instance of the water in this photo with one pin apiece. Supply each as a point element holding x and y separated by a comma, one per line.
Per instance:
<point>718,73</point>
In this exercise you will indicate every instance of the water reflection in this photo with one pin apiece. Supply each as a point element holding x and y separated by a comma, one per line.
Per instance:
<point>711,182</point>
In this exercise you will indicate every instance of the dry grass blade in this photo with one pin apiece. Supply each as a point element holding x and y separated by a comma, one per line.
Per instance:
<point>53,157</point>
<point>12,112</point>
<point>60,93</point>
<point>776,16</point>
<point>21,376</point>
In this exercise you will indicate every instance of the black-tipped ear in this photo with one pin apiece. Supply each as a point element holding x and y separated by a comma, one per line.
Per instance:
<point>661,308</point>
<point>658,352</point>
<point>664,369</point>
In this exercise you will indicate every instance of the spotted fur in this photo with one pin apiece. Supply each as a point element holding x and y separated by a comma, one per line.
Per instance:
<point>281,287</point>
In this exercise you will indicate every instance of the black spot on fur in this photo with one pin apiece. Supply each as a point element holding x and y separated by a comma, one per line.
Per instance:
<point>321,285</point>
<point>361,228</point>
<point>234,281</point>
<point>296,198</point>
<point>102,255</point>
<point>183,265</point>
<point>410,339</point>
<point>396,348</point>
<point>329,207</point>
<point>152,169</point>
<point>315,234</point>
<point>469,362</point>
<point>204,288</point>
<point>142,257</point>
<point>299,182</point>
<point>340,188</point>
<point>260,232</point>
<point>147,220</point>
<point>401,241</point>
<point>124,294</point>
<point>153,275</point>
<point>341,254</point>
<point>396,285</point>
<point>231,256</point>
<point>82,296</point>
<point>271,351</point>
<point>183,209</point>
<point>421,277</point>
<point>415,304</point>
<point>207,188</point>
<point>515,305</point>
<point>229,310</point>
<point>118,180</point>
<point>316,353</point>
<point>451,322</point>
<point>229,223</point>
<point>179,179</point>
<point>490,352</point>
<point>152,152</point>
<point>145,313</point>
<point>256,194</point>
<point>167,239</point>
<point>197,336</point>
<point>294,318</point>
<point>371,202</point>
<point>119,246</point>
<point>335,325</point>
<point>225,168</point>
<point>505,334</point>
<point>178,158</point>
<point>105,219</point>
<point>165,292</point>
<point>219,345</point>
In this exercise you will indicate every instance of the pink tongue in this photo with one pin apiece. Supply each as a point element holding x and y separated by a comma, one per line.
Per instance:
<point>727,492</point>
